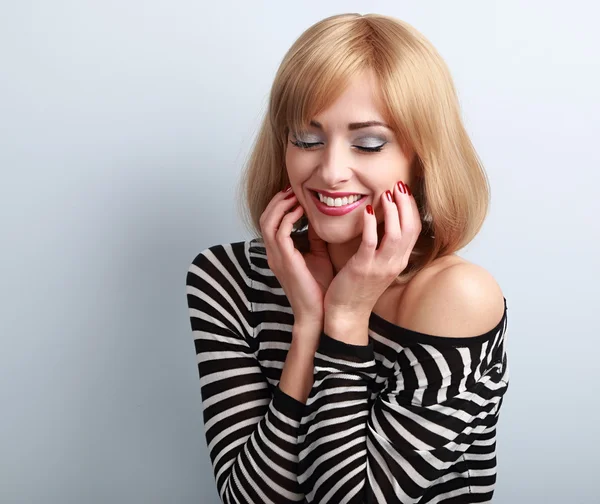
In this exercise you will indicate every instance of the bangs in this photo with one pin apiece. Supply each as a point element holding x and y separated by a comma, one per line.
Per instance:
<point>315,72</point>
<point>320,65</point>
<point>313,91</point>
<point>316,87</point>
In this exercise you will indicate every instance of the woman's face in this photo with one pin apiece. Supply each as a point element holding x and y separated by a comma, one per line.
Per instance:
<point>336,166</point>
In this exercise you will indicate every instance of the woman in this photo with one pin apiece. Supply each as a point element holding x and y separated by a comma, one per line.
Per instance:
<point>348,354</point>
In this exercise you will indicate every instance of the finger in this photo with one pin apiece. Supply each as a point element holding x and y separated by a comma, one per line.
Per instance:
<point>418,224</point>
<point>272,222</point>
<point>283,236</point>
<point>368,244</point>
<point>274,213</point>
<point>393,233</point>
<point>278,197</point>
<point>410,221</point>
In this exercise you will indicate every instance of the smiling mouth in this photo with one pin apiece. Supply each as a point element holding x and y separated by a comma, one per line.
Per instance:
<point>337,207</point>
<point>338,202</point>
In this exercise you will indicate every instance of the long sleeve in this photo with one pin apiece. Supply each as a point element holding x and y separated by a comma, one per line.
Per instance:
<point>426,434</point>
<point>251,431</point>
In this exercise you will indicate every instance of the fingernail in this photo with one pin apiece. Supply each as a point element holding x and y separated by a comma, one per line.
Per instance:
<point>401,187</point>
<point>369,209</point>
<point>408,189</point>
<point>291,195</point>
<point>286,188</point>
<point>388,195</point>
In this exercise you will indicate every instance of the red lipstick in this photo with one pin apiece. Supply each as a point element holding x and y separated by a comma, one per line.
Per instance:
<point>337,210</point>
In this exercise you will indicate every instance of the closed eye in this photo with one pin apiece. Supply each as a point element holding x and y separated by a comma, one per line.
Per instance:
<point>308,146</point>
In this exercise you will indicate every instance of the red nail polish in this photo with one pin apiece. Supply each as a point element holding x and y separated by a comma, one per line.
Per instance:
<point>291,195</point>
<point>401,187</point>
<point>286,188</point>
<point>369,209</point>
<point>388,195</point>
<point>408,189</point>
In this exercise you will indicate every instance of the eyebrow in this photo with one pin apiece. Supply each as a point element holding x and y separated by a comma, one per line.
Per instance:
<point>354,126</point>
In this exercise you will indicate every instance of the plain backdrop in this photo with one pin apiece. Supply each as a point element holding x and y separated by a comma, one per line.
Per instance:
<point>123,129</point>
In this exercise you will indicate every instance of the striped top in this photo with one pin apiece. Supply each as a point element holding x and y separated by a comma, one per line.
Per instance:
<point>408,418</point>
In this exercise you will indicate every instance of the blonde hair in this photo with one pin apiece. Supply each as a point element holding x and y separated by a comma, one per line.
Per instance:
<point>422,108</point>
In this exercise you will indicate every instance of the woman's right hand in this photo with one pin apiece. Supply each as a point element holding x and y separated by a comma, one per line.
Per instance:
<point>304,280</point>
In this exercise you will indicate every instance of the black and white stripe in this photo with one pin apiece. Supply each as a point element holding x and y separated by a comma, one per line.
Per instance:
<point>409,418</point>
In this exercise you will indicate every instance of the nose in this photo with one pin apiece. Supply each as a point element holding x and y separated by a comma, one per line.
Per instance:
<point>335,165</point>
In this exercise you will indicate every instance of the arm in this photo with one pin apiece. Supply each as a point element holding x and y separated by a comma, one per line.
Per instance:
<point>333,433</point>
<point>440,396</point>
<point>250,433</point>
<point>297,373</point>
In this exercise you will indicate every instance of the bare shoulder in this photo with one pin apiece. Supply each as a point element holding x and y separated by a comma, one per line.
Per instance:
<point>454,298</point>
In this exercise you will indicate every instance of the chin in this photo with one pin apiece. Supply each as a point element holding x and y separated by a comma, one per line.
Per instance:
<point>337,233</point>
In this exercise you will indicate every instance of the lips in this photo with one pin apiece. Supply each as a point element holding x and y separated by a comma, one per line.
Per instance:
<point>335,211</point>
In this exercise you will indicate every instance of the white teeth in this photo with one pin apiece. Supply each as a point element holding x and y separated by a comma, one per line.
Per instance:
<point>346,200</point>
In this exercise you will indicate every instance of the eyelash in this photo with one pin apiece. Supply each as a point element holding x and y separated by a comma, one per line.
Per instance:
<point>307,146</point>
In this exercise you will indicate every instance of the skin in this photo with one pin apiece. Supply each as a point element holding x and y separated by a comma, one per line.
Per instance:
<point>346,271</point>
<point>346,275</point>
<point>337,164</point>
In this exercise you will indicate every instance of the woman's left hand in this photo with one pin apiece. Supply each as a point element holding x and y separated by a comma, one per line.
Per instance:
<point>355,290</point>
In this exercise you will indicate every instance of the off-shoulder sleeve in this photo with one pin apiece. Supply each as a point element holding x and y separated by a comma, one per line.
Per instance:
<point>427,436</point>
<point>251,433</point>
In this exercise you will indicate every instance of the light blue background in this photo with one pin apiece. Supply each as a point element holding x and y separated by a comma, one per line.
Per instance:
<point>123,128</point>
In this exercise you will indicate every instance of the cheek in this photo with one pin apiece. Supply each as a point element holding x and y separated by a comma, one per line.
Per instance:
<point>298,169</point>
<point>387,180</point>
<point>291,164</point>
